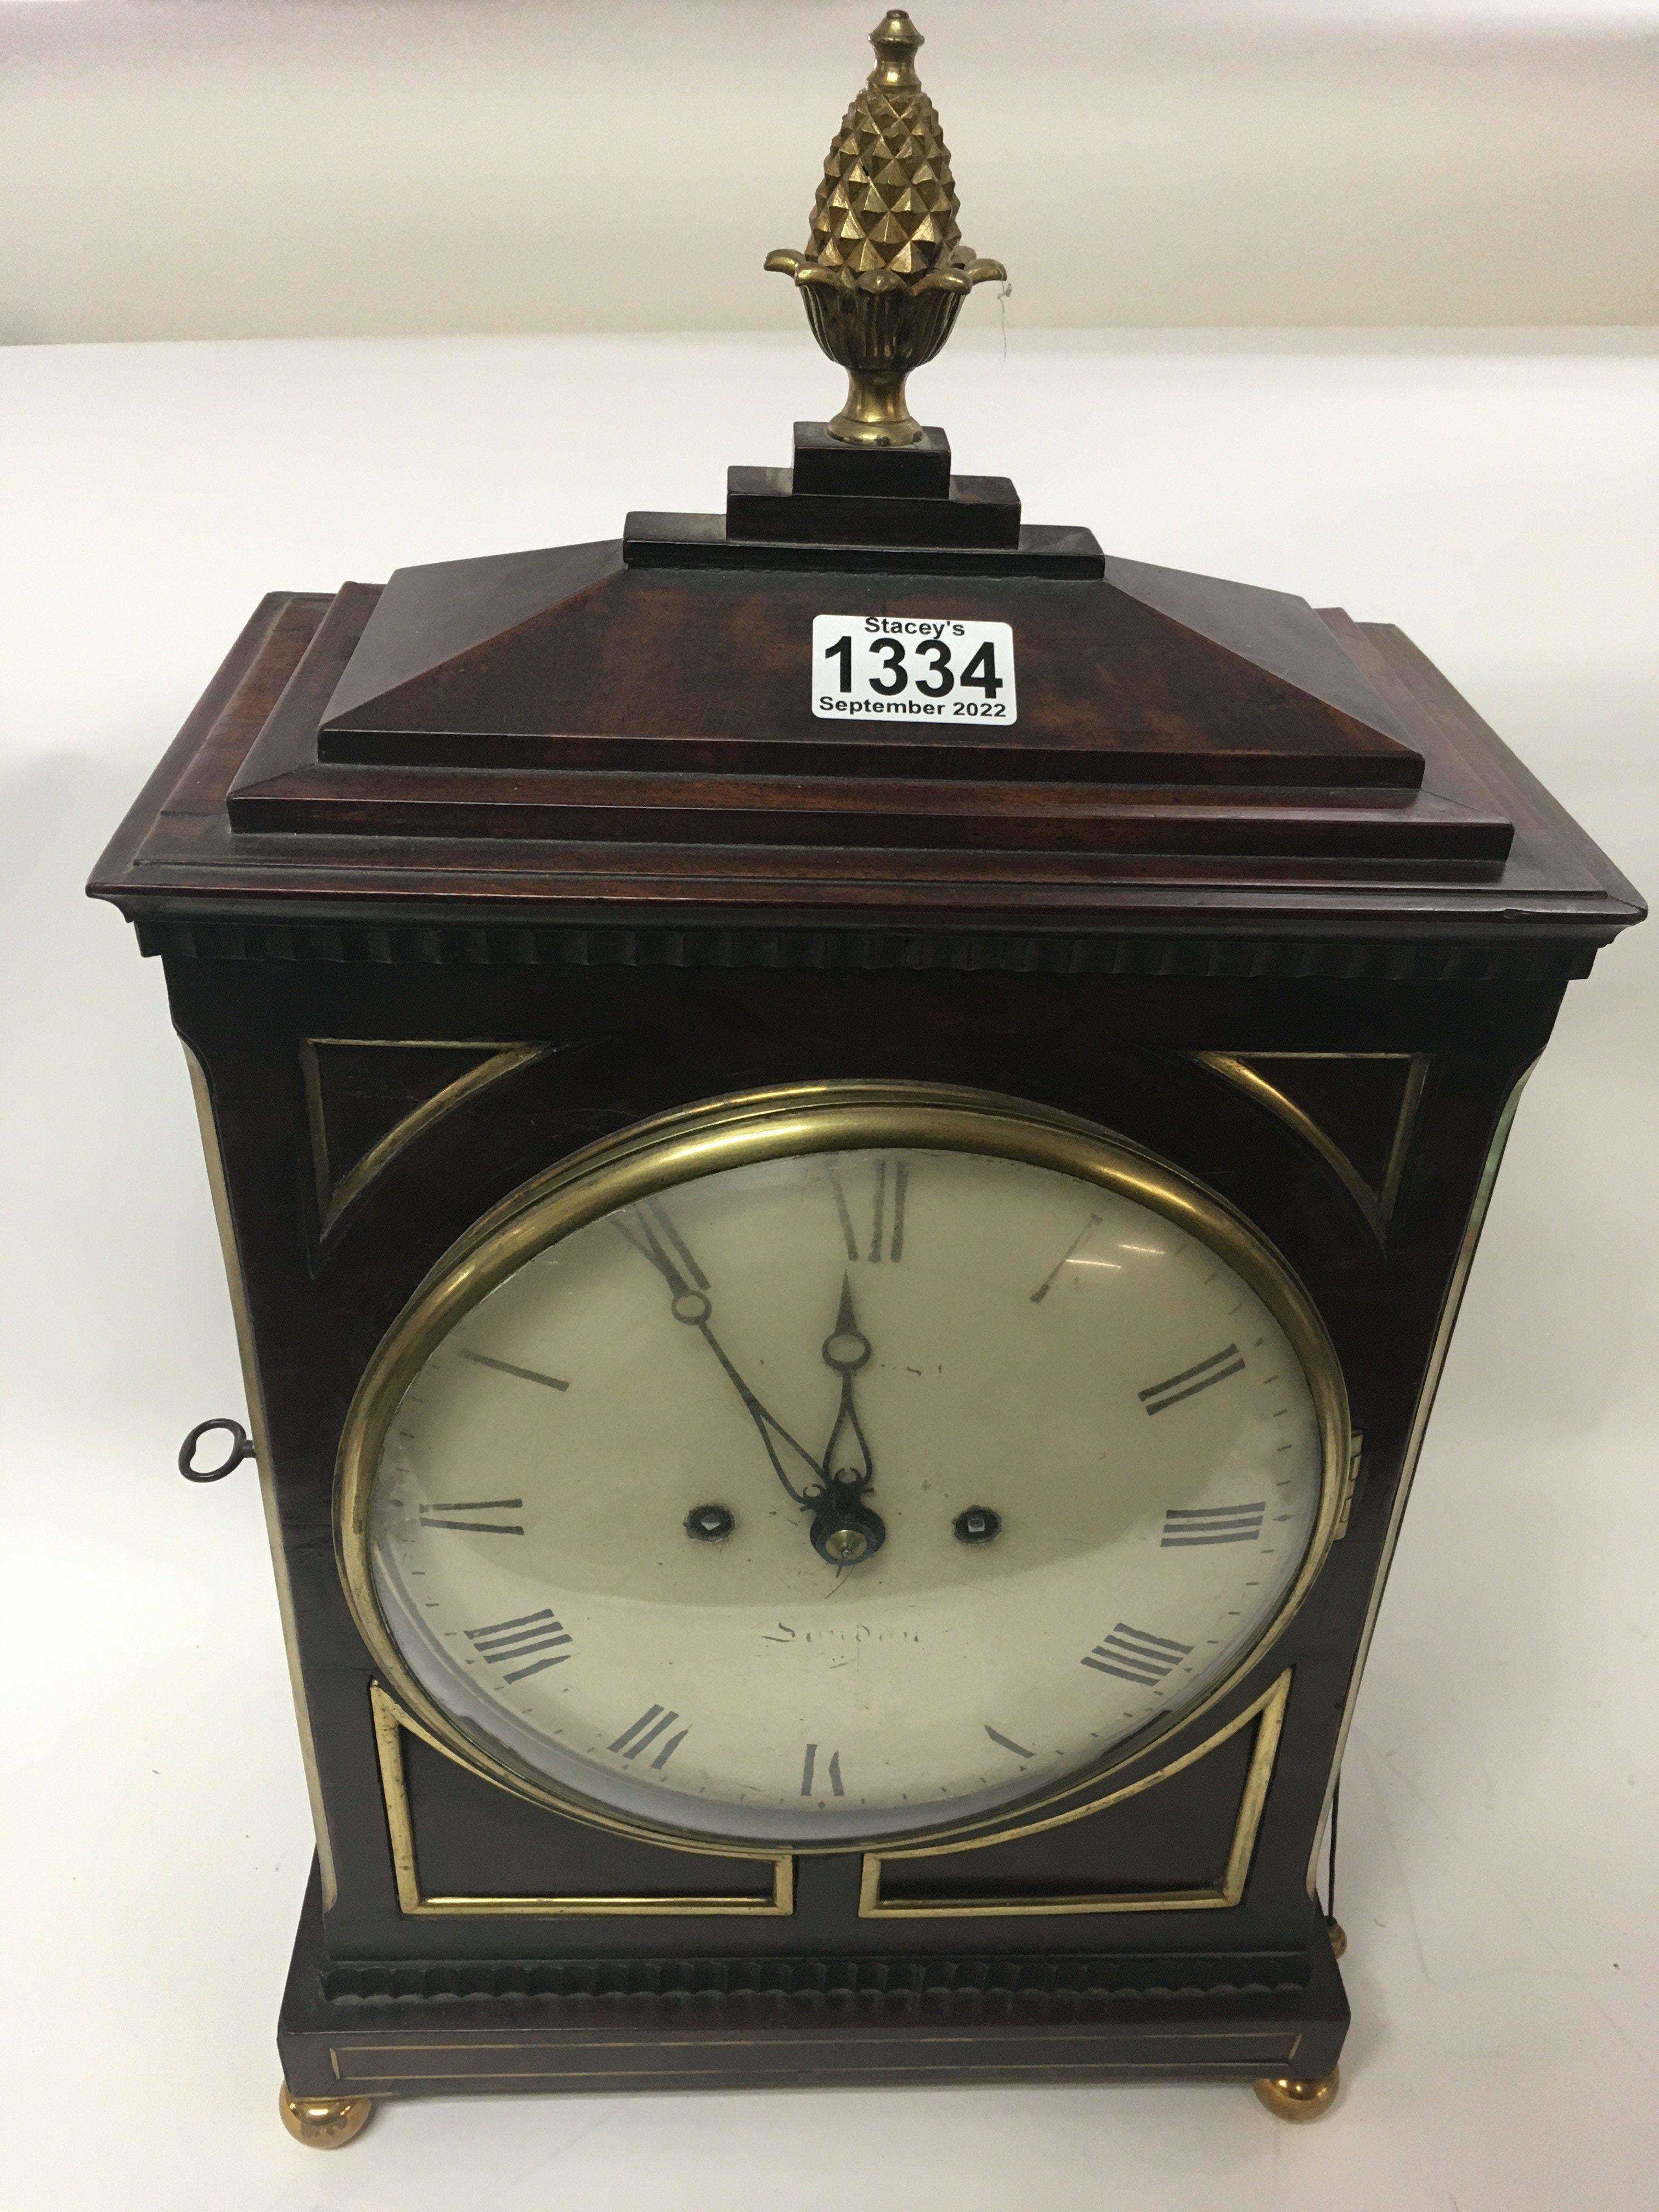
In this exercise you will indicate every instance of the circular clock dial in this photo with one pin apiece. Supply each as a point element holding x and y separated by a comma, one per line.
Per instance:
<point>844,1494</point>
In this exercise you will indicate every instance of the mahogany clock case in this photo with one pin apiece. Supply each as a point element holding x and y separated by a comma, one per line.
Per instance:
<point>395,1032</point>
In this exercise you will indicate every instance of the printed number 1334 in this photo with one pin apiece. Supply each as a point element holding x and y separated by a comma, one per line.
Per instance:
<point>912,668</point>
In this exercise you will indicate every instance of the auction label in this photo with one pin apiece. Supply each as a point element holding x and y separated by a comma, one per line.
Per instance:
<point>912,668</point>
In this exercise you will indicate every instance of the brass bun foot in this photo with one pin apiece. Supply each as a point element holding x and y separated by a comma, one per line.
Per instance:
<point>322,2123</point>
<point>1293,2099</point>
<point>1339,1935</point>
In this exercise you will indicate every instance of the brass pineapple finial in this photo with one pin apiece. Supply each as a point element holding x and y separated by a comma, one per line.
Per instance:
<point>884,273</point>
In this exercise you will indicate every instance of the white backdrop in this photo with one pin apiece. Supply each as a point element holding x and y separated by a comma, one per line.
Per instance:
<point>226,169</point>
<point>1499,1820</point>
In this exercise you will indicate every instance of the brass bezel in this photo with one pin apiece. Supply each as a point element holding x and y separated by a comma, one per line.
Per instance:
<point>730,1132</point>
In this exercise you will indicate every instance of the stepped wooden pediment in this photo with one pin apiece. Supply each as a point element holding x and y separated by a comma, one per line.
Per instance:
<point>627,727</point>
<point>574,659</point>
<point>656,691</point>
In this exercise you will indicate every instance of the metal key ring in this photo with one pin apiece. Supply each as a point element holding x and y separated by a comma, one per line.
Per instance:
<point>241,1449</point>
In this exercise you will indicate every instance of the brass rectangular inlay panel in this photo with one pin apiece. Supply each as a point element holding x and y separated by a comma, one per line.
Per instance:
<point>390,1723</point>
<point>1267,1713</point>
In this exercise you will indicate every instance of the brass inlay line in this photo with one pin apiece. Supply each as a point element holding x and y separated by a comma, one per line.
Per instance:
<point>414,1902</point>
<point>1268,1712</point>
<point>1377,1204</point>
<point>1264,2049</point>
<point>334,1196</point>
<point>803,2039</point>
<point>765,1125</point>
<point>254,1390</point>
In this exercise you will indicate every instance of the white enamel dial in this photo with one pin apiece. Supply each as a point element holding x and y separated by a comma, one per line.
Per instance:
<point>844,1495</point>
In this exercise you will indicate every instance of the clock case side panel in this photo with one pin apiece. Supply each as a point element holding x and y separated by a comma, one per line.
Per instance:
<point>259,1429</point>
<point>615,1047</point>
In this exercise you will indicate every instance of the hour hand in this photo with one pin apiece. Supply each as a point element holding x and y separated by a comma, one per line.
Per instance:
<point>845,1528</point>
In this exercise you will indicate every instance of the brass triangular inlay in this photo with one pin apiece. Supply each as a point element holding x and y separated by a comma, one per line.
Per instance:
<point>403,1085</point>
<point>1368,1151</point>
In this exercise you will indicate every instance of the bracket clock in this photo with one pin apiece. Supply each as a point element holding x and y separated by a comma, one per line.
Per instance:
<point>848,1134</point>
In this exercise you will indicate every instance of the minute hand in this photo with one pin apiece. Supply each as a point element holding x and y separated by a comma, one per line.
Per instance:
<point>657,1241</point>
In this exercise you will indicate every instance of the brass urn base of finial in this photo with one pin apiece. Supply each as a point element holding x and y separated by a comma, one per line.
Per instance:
<point>876,413</point>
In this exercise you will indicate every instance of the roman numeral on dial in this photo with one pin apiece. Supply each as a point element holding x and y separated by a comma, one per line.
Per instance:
<point>507,1641</point>
<point>888,1219</point>
<point>1191,1380</point>
<point>509,1367</point>
<point>652,1723</point>
<point>480,1516</point>
<point>888,1190</point>
<point>1007,1742</point>
<point>1212,1524</point>
<point>810,1786</point>
<point>1135,1656</point>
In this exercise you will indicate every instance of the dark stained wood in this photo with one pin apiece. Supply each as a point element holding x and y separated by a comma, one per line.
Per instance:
<point>764,504</point>
<point>842,494</point>
<point>756,810</point>
<point>824,467</point>
<point>282,785</point>
<point>572,659</point>
<point>473,1839</point>
<point>703,542</point>
<point>177,857</point>
<point>735,2022</point>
